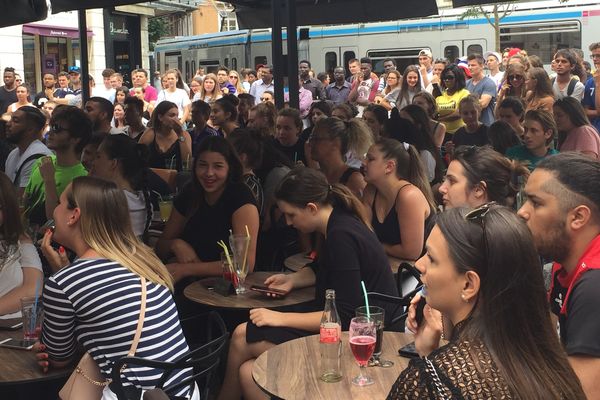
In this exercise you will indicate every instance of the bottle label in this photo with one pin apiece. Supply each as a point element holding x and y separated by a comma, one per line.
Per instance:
<point>330,332</point>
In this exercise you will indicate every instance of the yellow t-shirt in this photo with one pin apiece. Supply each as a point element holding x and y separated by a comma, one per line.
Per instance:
<point>447,104</point>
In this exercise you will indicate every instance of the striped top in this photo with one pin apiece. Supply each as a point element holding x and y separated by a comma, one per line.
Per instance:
<point>96,303</point>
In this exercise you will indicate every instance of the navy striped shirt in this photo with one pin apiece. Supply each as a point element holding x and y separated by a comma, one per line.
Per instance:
<point>96,302</point>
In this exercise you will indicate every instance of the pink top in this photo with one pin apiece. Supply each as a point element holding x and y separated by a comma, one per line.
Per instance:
<point>150,93</point>
<point>583,138</point>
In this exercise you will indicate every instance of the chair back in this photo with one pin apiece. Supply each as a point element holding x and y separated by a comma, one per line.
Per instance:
<point>204,360</point>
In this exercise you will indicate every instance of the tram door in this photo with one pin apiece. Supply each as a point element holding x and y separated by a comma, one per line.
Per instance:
<point>453,49</point>
<point>335,56</point>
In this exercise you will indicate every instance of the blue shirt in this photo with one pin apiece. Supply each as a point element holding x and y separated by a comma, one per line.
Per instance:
<point>484,86</point>
<point>589,101</point>
<point>521,153</point>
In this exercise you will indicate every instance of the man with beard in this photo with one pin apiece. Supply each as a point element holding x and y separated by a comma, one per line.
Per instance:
<point>100,112</point>
<point>24,129</point>
<point>563,213</point>
<point>70,131</point>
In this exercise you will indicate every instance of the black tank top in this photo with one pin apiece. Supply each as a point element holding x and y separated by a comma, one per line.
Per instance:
<point>162,160</point>
<point>388,231</point>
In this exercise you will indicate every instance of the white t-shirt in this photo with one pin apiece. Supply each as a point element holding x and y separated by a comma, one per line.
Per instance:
<point>14,161</point>
<point>137,211</point>
<point>11,274</point>
<point>497,78</point>
<point>179,97</point>
<point>578,91</point>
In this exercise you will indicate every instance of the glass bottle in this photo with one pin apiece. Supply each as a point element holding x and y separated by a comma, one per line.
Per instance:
<point>331,340</point>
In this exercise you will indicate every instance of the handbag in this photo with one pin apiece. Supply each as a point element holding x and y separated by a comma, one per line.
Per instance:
<point>86,381</point>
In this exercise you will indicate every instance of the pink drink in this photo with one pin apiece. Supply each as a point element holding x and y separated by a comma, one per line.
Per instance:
<point>362,348</point>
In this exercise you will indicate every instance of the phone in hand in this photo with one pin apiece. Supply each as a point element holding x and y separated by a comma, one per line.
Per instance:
<point>17,344</point>
<point>419,311</point>
<point>268,290</point>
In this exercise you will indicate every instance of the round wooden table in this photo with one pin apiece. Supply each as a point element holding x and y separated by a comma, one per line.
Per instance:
<point>200,293</point>
<point>297,261</point>
<point>20,366</point>
<point>291,370</point>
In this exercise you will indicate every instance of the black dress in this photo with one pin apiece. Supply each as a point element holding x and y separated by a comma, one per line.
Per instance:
<point>350,253</point>
<point>158,159</point>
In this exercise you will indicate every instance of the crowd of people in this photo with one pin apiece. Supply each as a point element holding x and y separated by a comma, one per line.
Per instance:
<point>480,169</point>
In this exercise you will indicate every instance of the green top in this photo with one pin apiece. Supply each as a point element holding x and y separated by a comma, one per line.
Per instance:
<point>521,153</point>
<point>35,194</point>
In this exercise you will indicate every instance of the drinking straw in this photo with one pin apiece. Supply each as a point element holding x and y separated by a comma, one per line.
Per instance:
<point>225,250</point>
<point>362,283</point>
<point>33,318</point>
<point>158,194</point>
<point>246,247</point>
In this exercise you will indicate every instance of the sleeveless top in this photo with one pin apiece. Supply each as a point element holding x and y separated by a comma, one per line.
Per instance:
<point>388,231</point>
<point>159,159</point>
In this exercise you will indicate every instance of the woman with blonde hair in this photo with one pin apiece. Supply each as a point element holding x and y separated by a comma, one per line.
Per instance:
<point>234,79</point>
<point>513,84</point>
<point>210,91</point>
<point>392,90</point>
<point>116,275</point>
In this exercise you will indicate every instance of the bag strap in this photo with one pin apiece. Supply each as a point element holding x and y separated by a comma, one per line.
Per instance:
<point>30,158</point>
<point>571,87</point>
<point>140,324</point>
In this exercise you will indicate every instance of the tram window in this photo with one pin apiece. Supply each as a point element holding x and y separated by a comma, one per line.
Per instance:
<point>474,49</point>
<point>451,53</point>
<point>234,64</point>
<point>260,60</point>
<point>543,38</point>
<point>187,71</point>
<point>330,62</point>
<point>402,57</point>
<point>227,62</point>
<point>193,68</point>
<point>348,55</point>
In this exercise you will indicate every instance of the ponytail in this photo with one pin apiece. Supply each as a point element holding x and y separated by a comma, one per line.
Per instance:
<point>305,185</point>
<point>408,165</point>
<point>417,175</point>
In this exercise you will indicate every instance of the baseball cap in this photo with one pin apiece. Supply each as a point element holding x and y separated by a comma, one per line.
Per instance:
<point>75,69</point>
<point>462,64</point>
<point>426,52</point>
<point>513,51</point>
<point>487,54</point>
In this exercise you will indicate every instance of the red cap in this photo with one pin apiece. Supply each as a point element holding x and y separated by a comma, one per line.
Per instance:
<point>513,51</point>
<point>465,69</point>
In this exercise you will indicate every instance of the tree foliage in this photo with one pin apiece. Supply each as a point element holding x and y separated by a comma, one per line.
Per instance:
<point>157,28</point>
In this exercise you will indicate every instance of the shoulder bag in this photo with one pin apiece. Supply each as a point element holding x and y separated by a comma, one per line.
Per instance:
<point>86,381</point>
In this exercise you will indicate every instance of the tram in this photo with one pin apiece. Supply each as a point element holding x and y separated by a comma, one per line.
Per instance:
<point>540,27</point>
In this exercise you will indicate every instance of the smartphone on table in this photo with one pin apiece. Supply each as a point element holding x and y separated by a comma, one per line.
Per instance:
<point>16,344</point>
<point>268,290</point>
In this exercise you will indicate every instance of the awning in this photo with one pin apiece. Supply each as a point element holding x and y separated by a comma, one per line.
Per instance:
<point>54,31</point>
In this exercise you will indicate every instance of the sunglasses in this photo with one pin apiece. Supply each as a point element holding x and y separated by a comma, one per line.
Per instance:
<point>449,78</point>
<point>515,77</point>
<point>265,99</point>
<point>57,128</point>
<point>233,77</point>
<point>478,216</point>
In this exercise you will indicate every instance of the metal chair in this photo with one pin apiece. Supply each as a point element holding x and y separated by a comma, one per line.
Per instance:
<point>204,360</point>
<point>403,301</point>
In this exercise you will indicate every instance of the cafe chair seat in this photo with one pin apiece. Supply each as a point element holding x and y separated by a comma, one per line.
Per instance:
<point>204,360</point>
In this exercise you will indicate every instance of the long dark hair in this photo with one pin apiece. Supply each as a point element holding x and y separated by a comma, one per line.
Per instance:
<point>484,164</point>
<point>574,110</point>
<point>459,77</point>
<point>217,144</point>
<point>133,165</point>
<point>408,165</point>
<point>543,86</point>
<point>305,185</point>
<point>161,109</point>
<point>502,136</point>
<point>12,226</point>
<point>511,312</point>
<point>404,88</point>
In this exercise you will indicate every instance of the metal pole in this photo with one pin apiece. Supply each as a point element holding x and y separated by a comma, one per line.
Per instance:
<point>83,48</point>
<point>277,52</point>
<point>292,51</point>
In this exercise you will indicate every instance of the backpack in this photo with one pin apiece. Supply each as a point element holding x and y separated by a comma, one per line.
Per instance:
<point>571,87</point>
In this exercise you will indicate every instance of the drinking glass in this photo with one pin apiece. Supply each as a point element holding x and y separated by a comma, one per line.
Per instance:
<point>165,206</point>
<point>228,271</point>
<point>32,316</point>
<point>377,314</point>
<point>362,336</point>
<point>240,245</point>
